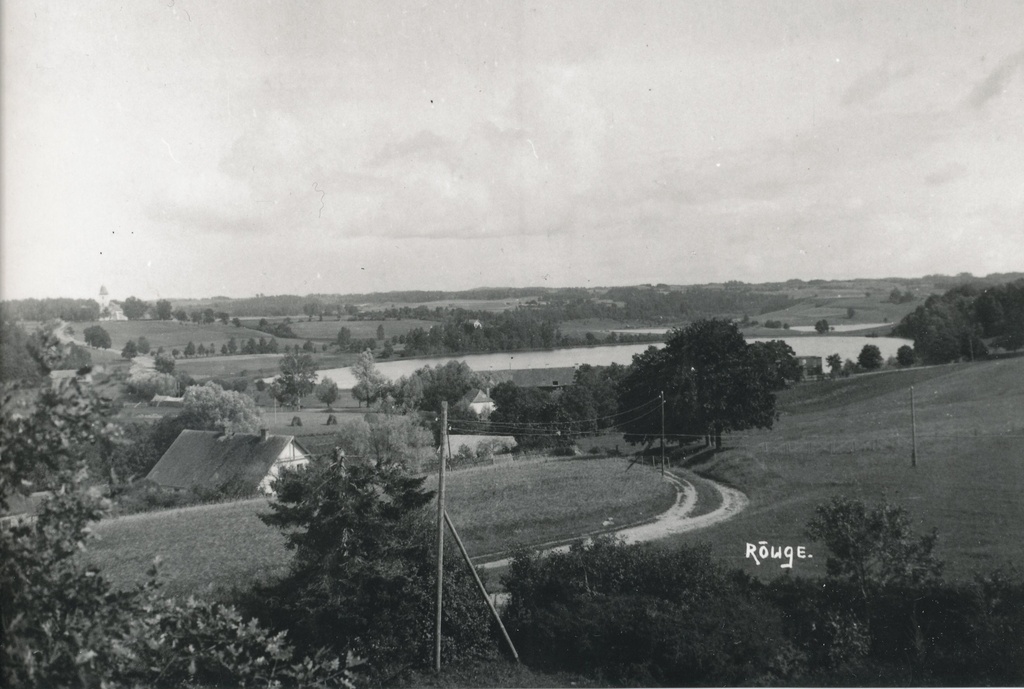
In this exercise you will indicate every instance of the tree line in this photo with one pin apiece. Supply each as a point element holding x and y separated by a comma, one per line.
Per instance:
<point>964,321</point>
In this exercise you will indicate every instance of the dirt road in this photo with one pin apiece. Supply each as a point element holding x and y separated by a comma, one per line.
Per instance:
<point>675,520</point>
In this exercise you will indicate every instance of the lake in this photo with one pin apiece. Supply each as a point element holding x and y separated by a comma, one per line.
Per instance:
<point>847,346</point>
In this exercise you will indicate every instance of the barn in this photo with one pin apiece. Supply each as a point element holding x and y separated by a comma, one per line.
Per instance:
<point>234,463</point>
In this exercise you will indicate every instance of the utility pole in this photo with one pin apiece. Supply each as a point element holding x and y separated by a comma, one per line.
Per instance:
<point>663,434</point>
<point>913,430</point>
<point>440,535</point>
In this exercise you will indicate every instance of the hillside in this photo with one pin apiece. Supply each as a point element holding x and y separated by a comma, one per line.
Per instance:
<point>853,437</point>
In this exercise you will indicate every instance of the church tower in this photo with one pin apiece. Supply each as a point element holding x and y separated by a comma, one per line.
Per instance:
<point>103,297</point>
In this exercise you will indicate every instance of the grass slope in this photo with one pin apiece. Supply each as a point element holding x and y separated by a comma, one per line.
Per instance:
<point>852,437</point>
<point>211,549</point>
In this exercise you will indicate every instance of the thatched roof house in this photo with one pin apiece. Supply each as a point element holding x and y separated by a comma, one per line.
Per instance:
<point>238,463</point>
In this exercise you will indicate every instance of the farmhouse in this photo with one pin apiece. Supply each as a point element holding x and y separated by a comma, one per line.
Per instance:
<point>811,365</point>
<point>479,402</point>
<point>239,463</point>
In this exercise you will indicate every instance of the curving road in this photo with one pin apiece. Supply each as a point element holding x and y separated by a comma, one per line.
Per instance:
<point>675,520</point>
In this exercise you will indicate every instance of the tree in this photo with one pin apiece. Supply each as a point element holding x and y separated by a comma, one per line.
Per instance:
<point>870,357</point>
<point>371,383</point>
<point>778,360</point>
<point>297,379</point>
<point>134,308</point>
<point>313,308</point>
<point>210,407</point>
<point>307,346</point>
<point>223,316</point>
<point>130,350</point>
<point>905,355</point>
<point>851,312</point>
<point>873,548</point>
<point>236,322</point>
<point>232,346</point>
<point>201,350</point>
<point>209,316</point>
<point>344,338</point>
<point>143,345</point>
<point>181,315</point>
<point>835,364</point>
<point>380,331</point>
<point>164,310</point>
<point>96,336</point>
<point>164,363</point>
<point>327,392</point>
<point>821,326</point>
<point>190,349</point>
<point>363,572</point>
<point>711,380</point>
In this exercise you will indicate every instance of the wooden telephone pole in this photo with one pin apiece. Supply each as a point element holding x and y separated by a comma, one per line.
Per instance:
<point>913,430</point>
<point>440,535</point>
<point>663,434</point>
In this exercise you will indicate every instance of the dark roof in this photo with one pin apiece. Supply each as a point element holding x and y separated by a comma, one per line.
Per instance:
<point>215,460</point>
<point>536,377</point>
<point>474,396</point>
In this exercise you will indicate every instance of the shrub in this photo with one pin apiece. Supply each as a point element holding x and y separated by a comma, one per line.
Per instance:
<point>144,384</point>
<point>640,615</point>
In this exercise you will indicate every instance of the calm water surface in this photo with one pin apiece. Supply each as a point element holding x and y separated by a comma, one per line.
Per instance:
<point>847,346</point>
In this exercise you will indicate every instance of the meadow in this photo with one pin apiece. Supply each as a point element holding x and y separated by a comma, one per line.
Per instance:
<point>210,549</point>
<point>176,335</point>
<point>853,437</point>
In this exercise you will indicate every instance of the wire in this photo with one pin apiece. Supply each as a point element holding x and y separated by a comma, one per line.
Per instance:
<point>549,424</point>
<point>551,429</point>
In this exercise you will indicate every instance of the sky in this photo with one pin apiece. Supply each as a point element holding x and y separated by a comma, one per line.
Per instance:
<point>186,148</point>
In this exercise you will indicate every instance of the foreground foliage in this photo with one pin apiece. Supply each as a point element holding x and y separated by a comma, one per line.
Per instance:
<point>62,622</point>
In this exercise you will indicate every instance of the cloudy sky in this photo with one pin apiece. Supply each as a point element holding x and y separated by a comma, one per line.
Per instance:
<point>175,148</point>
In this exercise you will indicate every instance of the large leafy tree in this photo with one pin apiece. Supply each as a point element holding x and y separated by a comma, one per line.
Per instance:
<point>96,336</point>
<point>297,379</point>
<point>327,392</point>
<point>134,308</point>
<point>164,310</point>
<point>713,382</point>
<point>210,407</point>
<point>371,384</point>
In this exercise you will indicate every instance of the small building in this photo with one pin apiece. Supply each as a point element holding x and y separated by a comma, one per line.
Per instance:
<point>235,463</point>
<point>811,365</point>
<point>479,402</point>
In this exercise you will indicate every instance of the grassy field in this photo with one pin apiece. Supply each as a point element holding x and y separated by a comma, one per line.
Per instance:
<point>833,308</point>
<point>210,549</point>
<point>175,335</point>
<point>852,437</point>
<point>327,329</point>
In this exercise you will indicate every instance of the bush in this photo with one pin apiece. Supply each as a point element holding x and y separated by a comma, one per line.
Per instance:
<point>640,615</point>
<point>144,384</point>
